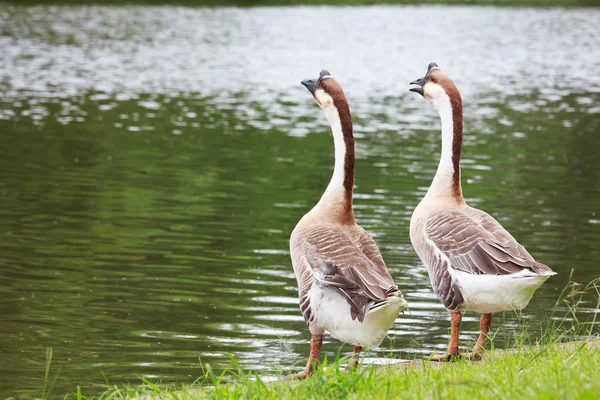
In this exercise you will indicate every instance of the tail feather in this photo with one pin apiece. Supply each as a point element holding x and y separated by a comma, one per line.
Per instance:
<point>541,269</point>
<point>393,297</point>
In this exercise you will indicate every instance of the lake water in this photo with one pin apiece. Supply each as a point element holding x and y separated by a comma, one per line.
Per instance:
<point>154,161</point>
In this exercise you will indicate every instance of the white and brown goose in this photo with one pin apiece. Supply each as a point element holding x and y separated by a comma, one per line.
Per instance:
<point>343,283</point>
<point>472,261</point>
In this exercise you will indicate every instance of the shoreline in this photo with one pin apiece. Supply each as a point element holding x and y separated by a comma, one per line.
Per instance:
<point>559,368</point>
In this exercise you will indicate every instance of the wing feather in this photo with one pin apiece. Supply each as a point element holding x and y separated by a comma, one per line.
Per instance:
<point>476,243</point>
<point>470,240</point>
<point>349,262</point>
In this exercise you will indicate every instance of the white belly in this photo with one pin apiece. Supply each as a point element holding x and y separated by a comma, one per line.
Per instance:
<point>332,313</point>
<point>492,293</point>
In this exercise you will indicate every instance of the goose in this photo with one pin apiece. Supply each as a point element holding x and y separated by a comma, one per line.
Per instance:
<point>472,261</point>
<point>344,287</point>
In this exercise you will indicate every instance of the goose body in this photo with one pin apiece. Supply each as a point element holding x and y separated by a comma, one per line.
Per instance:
<point>472,261</point>
<point>343,284</point>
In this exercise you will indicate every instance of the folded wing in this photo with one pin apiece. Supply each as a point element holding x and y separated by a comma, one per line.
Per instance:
<point>338,260</point>
<point>471,241</point>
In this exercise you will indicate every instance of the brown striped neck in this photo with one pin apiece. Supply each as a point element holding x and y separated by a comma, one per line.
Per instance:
<point>457,138</point>
<point>447,178</point>
<point>349,157</point>
<point>336,201</point>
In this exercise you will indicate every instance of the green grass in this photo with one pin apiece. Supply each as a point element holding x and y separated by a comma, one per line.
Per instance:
<point>560,361</point>
<point>543,372</point>
<point>252,3</point>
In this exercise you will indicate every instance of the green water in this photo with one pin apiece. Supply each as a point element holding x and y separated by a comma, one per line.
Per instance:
<point>155,160</point>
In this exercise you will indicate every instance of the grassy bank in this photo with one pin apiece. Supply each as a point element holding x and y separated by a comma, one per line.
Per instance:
<point>561,360</point>
<point>553,371</point>
<point>253,3</point>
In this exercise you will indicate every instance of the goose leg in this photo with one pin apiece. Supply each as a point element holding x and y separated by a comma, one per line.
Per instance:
<point>484,328</point>
<point>353,363</point>
<point>311,365</point>
<point>455,319</point>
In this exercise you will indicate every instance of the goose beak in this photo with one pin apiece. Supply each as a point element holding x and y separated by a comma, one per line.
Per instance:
<point>417,86</point>
<point>310,84</point>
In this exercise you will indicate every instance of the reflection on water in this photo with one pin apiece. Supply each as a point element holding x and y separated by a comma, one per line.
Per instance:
<point>155,161</point>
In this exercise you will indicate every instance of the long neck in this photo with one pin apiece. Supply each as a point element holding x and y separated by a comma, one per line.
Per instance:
<point>337,198</point>
<point>446,182</point>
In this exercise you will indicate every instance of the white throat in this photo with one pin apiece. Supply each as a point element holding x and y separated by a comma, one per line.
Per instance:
<point>442,182</point>
<point>335,192</point>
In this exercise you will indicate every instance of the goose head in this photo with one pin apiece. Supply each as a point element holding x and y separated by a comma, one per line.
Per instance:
<point>436,86</point>
<point>325,90</point>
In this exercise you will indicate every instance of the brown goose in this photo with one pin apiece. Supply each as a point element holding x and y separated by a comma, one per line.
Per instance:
<point>472,261</point>
<point>343,283</point>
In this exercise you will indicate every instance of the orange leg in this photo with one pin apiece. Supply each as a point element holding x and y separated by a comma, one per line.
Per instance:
<point>455,319</point>
<point>353,363</point>
<point>484,329</point>
<point>313,358</point>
